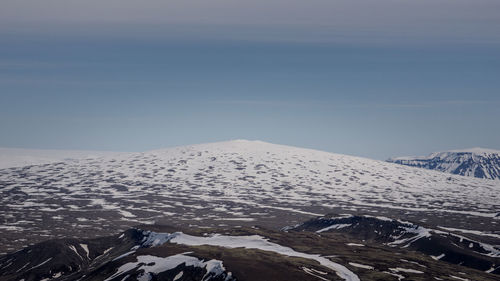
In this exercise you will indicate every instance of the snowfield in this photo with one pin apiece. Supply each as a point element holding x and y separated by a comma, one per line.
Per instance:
<point>17,157</point>
<point>235,182</point>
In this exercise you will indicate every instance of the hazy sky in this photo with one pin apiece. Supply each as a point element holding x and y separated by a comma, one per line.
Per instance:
<point>371,78</point>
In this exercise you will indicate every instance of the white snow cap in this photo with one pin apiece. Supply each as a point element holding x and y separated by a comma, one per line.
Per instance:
<point>476,150</point>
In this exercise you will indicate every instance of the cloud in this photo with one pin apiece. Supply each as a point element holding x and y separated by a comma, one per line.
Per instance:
<point>429,104</point>
<point>314,20</point>
<point>344,105</point>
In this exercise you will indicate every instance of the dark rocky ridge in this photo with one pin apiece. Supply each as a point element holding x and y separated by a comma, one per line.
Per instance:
<point>441,245</point>
<point>374,260</point>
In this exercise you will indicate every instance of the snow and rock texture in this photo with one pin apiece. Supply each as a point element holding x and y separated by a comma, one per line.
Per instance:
<point>16,157</point>
<point>230,183</point>
<point>474,162</point>
<point>63,260</point>
<point>151,266</point>
<point>441,245</point>
<point>260,243</point>
<point>166,253</point>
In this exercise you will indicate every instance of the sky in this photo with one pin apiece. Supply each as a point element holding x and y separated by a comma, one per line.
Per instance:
<point>369,78</point>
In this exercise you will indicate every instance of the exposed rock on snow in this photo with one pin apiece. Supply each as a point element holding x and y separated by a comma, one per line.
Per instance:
<point>474,162</point>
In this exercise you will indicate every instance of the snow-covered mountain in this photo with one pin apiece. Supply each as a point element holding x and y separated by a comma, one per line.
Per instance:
<point>18,157</point>
<point>474,162</point>
<point>230,183</point>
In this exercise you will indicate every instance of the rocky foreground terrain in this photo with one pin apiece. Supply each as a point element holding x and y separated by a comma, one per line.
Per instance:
<point>325,248</point>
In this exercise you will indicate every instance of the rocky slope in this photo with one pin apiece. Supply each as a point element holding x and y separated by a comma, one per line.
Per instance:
<point>168,253</point>
<point>439,244</point>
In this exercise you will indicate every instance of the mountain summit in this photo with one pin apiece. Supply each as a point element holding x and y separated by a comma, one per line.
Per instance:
<point>229,183</point>
<point>474,162</point>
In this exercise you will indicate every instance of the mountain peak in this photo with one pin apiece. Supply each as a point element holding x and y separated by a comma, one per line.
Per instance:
<point>474,162</point>
<point>476,150</point>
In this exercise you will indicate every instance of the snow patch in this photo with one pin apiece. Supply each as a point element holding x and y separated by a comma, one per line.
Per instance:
<point>152,239</point>
<point>407,270</point>
<point>86,249</point>
<point>362,266</point>
<point>335,226</point>
<point>152,265</point>
<point>355,245</point>
<point>438,257</point>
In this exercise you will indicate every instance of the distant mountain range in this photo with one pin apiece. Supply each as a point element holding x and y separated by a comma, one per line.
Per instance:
<point>475,162</point>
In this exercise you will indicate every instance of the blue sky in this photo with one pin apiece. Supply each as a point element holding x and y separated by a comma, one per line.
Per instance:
<point>369,78</point>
